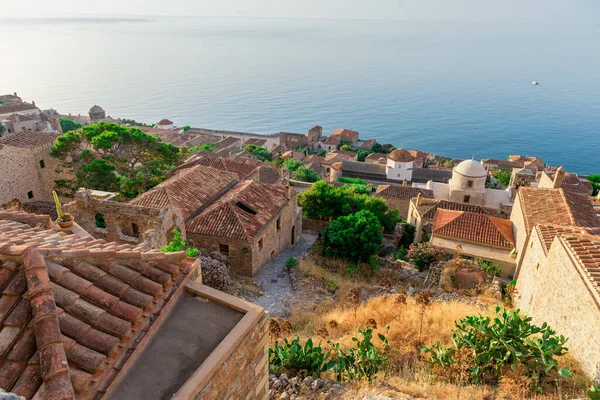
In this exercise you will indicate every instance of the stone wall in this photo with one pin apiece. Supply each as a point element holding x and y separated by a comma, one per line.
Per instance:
<point>402,205</point>
<point>21,173</point>
<point>244,374</point>
<point>554,289</point>
<point>519,231</point>
<point>293,140</point>
<point>313,225</point>
<point>126,223</point>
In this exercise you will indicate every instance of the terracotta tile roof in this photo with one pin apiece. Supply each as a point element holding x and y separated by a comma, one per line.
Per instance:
<point>547,232</point>
<point>74,308</point>
<point>401,155</point>
<point>241,213</point>
<point>16,107</point>
<point>242,167</point>
<point>586,250</point>
<point>188,189</point>
<point>339,156</point>
<point>227,142</point>
<point>479,228</point>
<point>27,139</point>
<point>278,148</point>
<point>402,192</point>
<point>376,158</point>
<point>428,207</point>
<point>331,141</point>
<point>164,122</point>
<point>347,133</point>
<point>271,175</point>
<point>556,206</point>
<point>258,142</point>
<point>502,163</point>
<point>368,144</point>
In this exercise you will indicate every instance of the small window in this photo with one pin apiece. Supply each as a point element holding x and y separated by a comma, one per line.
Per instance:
<point>466,199</point>
<point>30,195</point>
<point>100,221</point>
<point>245,208</point>
<point>42,164</point>
<point>224,249</point>
<point>135,230</point>
<point>279,223</point>
<point>470,183</point>
<point>261,243</point>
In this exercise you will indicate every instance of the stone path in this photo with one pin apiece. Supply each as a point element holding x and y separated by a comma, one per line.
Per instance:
<point>276,281</point>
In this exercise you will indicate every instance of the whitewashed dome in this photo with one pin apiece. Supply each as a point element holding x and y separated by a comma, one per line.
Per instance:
<point>470,168</point>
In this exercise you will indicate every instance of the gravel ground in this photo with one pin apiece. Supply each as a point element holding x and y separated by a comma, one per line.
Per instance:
<point>276,281</point>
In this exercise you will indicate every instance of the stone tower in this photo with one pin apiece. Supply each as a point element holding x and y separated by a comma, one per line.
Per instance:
<point>97,113</point>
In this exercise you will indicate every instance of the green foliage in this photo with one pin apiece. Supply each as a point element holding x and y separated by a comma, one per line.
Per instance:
<point>362,154</point>
<point>595,179</point>
<point>447,163</point>
<point>69,125</point>
<point>355,236</point>
<point>352,269</point>
<point>489,267</point>
<point>346,147</point>
<point>259,152</point>
<point>363,361</point>
<point>503,176</point>
<point>210,147</point>
<point>192,252</point>
<point>132,122</point>
<point>374,263</point>
<point>174,245</point>
<point>382,148</point>
<point>2,129</point>
<point>486,348</point>
<point>186,128</point>
<point>292,164</point>
<point>305,174</point>
<point>408,236</point>
<point>400,254</point>
<point>322,153</point>
<point>291,263</point>
<point>355,181</point>
<point>112,157</point>
<point>1,101</point>
<point>325,202</point>
<point>100,221</point>
<point>296,358</point>
<point>594,392</point>
<point>331,285</point>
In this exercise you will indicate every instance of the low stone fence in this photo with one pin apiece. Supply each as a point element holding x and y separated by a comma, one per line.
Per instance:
<point>313,225</point>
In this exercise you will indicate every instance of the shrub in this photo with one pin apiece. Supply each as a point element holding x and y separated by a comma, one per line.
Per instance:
<point>374,263</point>
<point>351,269</point>
<point>489,268</point>
<point>423,254</point>
<point>292,164</point>
<point>363,361</point>
<point>488,348</point>
<point>503,176</point>
<point>296,358</point>
<point>186,128</point>
<point>291,263</point>
<point>355,181</point>
<point>356,236</point>
<point>259,152</point>
<point>192,252</point>
<point>400,254</point>
<point>594,392</point>
<point>331,285</point>
<point>305,174</point>
<point>408,236</point>
<point>174,245</point>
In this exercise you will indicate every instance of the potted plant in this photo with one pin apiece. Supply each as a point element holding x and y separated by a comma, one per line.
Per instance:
<point>65,220</point>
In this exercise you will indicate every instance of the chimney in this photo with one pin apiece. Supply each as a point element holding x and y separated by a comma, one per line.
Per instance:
<point>559,176</point>
<point>419,199</point>
<point>404,183</point>
<point>33,102</point>
<point>16,94</point>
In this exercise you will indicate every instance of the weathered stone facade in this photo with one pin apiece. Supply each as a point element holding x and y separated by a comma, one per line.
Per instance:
<point>244,373</point>
<point>293,140</point>
<point>126,223</point>
<point>553,288</point>
<point>26,173</point>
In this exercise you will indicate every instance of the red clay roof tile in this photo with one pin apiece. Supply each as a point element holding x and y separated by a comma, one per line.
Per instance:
<point>480,228</point>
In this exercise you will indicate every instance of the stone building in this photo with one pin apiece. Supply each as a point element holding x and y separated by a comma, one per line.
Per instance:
<point>398,197</point>
<point>399,166</point>
<point>422,210</point>
<point>165,125</point>
<point>479,236</point>
<point>293,140</point>
<point>89,319</point>
<point>345,135</point>
<point>249,221</point>
<point>556,233</point>
<point>330,144</point>
<point>337,156</point>
<point>27,172</point>
<point>152,228</point>
<point>97,113</point>
<point>521,177</point>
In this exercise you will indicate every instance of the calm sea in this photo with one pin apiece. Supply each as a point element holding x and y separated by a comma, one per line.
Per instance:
<point>456,89</point>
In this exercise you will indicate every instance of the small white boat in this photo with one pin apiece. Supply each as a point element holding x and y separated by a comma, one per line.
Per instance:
<point>535,83</point>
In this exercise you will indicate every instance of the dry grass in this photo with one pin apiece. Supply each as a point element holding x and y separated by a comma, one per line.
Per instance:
<point>410,376</point>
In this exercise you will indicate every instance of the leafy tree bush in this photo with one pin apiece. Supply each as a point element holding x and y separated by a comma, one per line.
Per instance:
<point>594,392</point>
<point>112,157</point>
<point>355,181</point>
<point>2,129</point>
<point>177,244</point>
<point>186,128</point>
<point>356,236</point>
<point>503,176</point>
<point>486,349</point>
<point>363,361</point>
<point>69,125</point>
<point>408,236</point>
<point>595,179</point>
<point>489,268</point>
<point>210,147</point>
<point>292,164</point>
<point>382,148</point>
<point>291,263</point>
<point>305,174</point>
<point>296,358</point>
<point>352,269</point>
<point>130,122</point>
<point>423,254</point>
<point>362,154</point>
<point>322,153</point>
<point>192,252</point>
<point>259,152</point>
<point>346,147</point>
<point>325,202</point>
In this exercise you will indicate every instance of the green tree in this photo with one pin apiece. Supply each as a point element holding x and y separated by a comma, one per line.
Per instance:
<point>210,147</point>
<point>595,179</point>
<point>356,236</point>
<point>503,176</point>
<point>362,154</point>
<point>259,152</point>
<point>2,129</point>
<point>322,153</point>
<point>108,156</point>
<point>346,147</point>
<point>304,174</point>
<point>186,128</point>
<point>292,164</point>
<point>382,148</point>
<point>69,125</point>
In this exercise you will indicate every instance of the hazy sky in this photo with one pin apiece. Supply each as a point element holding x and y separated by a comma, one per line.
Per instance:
<point>579,11</point>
